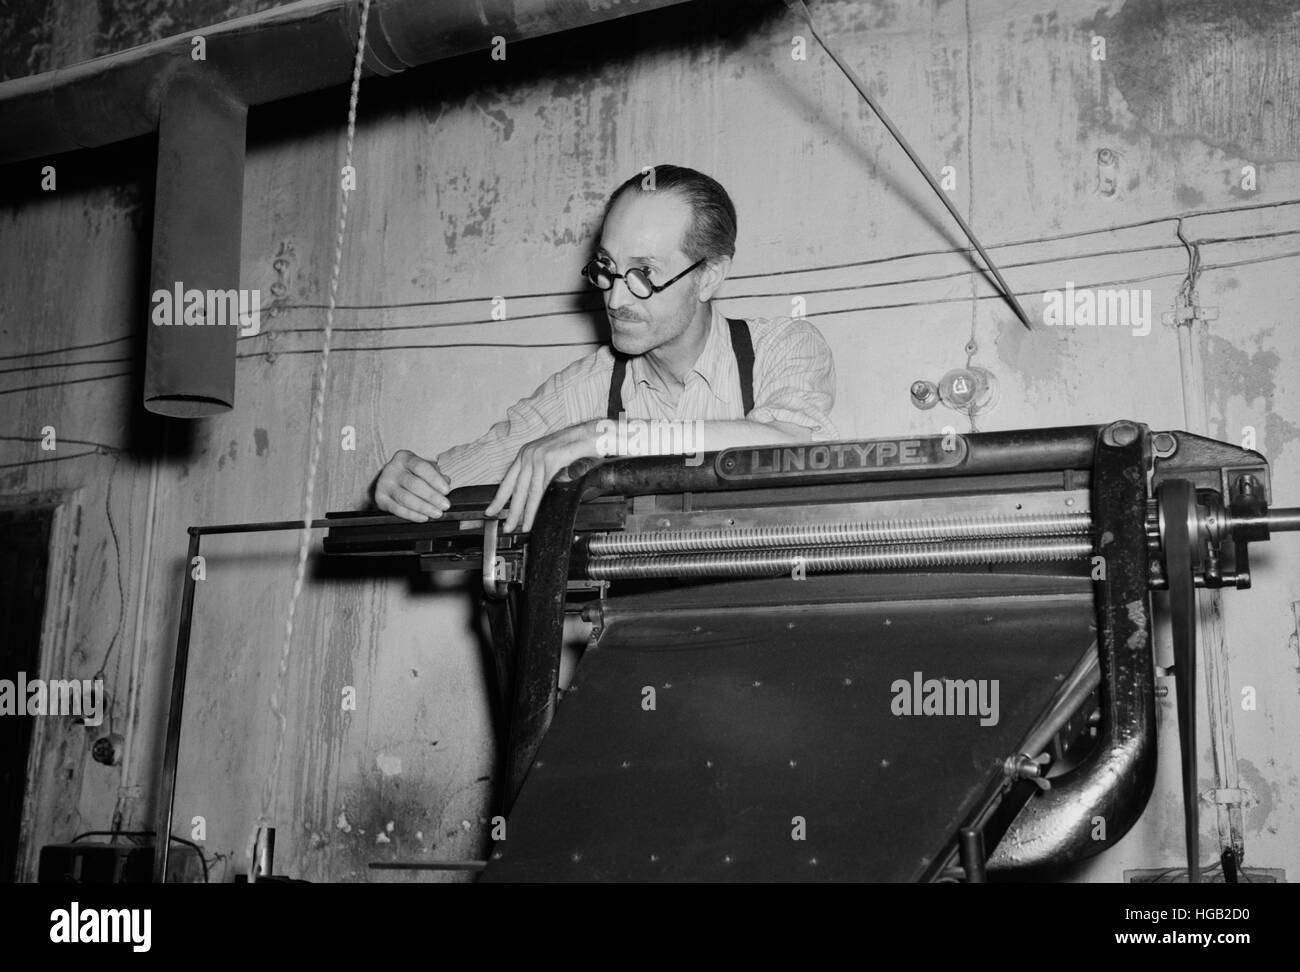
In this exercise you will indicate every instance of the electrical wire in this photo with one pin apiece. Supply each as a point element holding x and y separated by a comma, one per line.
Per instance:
<point>929,302</point>
<point>71,347</point>
<point>820,315</point>
<point>875,261</point>
<point>64,364</point>
<point>69,381</point>
<point>117,560</point>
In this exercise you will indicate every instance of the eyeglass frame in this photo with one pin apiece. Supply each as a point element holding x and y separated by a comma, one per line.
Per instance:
<point>643,272</point>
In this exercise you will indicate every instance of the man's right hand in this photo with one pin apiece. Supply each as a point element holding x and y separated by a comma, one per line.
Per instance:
<point>412,488</point>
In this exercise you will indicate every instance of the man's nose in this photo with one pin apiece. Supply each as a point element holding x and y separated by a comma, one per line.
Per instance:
<point>618,296</point>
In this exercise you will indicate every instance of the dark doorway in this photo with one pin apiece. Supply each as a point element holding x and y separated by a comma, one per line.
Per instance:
<point>24,556</point>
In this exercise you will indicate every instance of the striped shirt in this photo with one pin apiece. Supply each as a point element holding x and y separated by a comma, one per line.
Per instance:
<point>794,382</point>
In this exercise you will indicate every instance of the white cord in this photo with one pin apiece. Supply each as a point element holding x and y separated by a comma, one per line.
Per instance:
<point>317,421</point>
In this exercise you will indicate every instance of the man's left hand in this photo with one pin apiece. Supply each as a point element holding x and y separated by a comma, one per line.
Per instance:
<point>534,468</point>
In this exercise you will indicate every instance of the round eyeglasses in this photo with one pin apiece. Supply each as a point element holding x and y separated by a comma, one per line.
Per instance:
<point>600,273</point>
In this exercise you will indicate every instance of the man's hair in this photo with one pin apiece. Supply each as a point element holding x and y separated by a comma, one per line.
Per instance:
<point>712,232</point>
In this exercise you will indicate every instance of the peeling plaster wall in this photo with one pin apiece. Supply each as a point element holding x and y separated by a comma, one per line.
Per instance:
<point>480,179</point>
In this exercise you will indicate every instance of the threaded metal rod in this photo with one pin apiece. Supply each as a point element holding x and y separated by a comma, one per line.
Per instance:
<point>842,534</point>
<point>823,560</point>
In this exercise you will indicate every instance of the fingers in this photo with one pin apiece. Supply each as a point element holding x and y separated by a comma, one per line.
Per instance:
<point>433,501</point>
<point>505,489</point>
<point>541,478</point>
<point>412,488</point>
<point>412,506</point>
<point>518,496</point>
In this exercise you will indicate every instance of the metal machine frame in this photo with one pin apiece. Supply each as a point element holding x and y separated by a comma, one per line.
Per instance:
<point>1158,520</point>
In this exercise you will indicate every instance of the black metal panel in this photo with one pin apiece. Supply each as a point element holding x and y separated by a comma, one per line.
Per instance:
<point>763,714</point>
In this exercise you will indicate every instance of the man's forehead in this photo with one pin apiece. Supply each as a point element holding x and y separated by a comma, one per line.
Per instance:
<point>643,224</point>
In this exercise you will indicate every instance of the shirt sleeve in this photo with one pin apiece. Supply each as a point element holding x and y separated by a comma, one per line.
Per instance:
<point>566,398</point>
<point>794,378</point>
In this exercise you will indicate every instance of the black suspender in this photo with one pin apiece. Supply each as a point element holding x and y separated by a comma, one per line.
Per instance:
<point>744,348</point>
<point>741,344</point>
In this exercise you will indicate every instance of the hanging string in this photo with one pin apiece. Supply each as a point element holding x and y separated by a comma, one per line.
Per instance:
<point>317,425</point>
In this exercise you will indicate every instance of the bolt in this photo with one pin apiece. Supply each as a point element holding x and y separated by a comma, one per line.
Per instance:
<point>1122,434</point>
<point>925,394</point>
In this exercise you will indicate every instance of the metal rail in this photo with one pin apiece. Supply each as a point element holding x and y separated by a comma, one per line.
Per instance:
<point>910,529</point>
<point>821,560</point>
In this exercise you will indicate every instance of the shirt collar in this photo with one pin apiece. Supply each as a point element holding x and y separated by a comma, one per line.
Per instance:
<point>709,365</point>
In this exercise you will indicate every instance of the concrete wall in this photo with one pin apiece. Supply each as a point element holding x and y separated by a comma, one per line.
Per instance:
<point>480,179</point>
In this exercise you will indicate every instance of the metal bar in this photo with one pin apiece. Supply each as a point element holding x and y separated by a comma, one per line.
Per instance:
<point>902,530</point>
<point>1090,808</point>
<point>1282,520</point>
<point>269,526</point>
<point>987,454</point>
<point>1003,288</point>
<point>815,560</point>
<point>970,850</point>
<point>536,672</point>
<point>171,751</point>
<point>427,865</point>
<point>1078,685</point>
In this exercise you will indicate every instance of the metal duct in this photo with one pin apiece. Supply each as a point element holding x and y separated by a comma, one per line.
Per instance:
<point>195,304</point>
<point>291,50</point>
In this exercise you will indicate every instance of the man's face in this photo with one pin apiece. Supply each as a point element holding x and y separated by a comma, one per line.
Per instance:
<point>646,229</point>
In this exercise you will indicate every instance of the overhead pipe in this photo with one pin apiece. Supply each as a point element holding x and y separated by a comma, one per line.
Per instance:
<point>290,50</point>
<point>189,371</point>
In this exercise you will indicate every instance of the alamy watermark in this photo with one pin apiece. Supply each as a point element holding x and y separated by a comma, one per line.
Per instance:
<point>946,696</point>
<point>651,437</point>
<point>56,697</point>
<point>237,308</point>
<point>78,925</point>
<point>1085,307</point>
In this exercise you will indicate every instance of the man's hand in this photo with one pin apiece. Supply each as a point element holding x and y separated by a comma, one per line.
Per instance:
<point>534,468</point>
<point>412,488</point>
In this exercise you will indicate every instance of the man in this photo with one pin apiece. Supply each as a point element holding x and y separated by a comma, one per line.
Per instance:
<point>665,248</point>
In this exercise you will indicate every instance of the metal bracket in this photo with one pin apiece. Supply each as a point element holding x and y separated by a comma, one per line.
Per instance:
<point>499,572</point>
<point>1229,795</point>
<point>1185,311</point>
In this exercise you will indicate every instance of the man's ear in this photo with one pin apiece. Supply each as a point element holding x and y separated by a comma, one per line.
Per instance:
<point>712,275</point>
